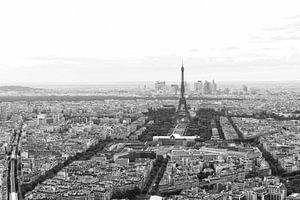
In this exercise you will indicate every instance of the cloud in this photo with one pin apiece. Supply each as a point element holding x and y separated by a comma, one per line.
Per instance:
<point>269,48</point>
<point>194,50</point>
<point>278,38</point>
<point>290,36</point>
<point>288,27</point>
<point>229,48</point>
<point>277,28</point>
<point>94,70</point>
<point>294,17</point>
<point>57,60</point>
<point>257,39</point>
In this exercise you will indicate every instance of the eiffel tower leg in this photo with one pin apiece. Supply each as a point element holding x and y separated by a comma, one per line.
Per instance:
<point>179,106</point>
<point>186,108</point>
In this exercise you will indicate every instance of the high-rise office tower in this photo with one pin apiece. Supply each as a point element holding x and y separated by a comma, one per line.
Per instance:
<point>245,88</point>
<point>174,89</point>
<point>160,85</point>
<point>214,86</point>
<point>207,87</point>
<point>198,87</point>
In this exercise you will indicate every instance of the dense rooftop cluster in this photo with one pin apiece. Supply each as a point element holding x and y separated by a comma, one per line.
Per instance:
<point>244,148</point>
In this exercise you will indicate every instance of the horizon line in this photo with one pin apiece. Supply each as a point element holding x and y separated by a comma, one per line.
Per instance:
<point>137,83</point>
<point>146,81</point>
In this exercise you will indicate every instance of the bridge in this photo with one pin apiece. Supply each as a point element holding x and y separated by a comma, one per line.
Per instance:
<point>13,157</point>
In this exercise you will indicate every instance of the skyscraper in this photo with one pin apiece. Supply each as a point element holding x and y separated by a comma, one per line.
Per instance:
<point>214,86</point>
<point>160,85</point>
<point>207,87</point>
<point>187,88</point>
<point>198,87</point>
<point>245,88</point>
<point>174,89</point>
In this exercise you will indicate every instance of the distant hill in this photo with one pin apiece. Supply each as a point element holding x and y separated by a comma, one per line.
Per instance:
<point>17,88</point>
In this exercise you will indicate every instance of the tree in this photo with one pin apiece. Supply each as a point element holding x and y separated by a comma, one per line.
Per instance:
<point>293,186</point>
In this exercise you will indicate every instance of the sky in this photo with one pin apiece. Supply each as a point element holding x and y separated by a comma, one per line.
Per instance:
<point>72,41</point>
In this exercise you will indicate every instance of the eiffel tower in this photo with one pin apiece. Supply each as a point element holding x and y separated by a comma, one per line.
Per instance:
<point>182,114</point>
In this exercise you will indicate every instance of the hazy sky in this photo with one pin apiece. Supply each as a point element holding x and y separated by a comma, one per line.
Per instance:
<point>104,41</point>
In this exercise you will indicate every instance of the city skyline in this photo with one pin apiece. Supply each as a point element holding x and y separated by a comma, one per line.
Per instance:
<point>165,100</point>
<point>95,42</point>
